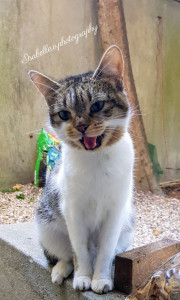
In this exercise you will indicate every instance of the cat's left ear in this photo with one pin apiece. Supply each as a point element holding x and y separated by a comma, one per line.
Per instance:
<point>45,85</point>
<point>111,64</point>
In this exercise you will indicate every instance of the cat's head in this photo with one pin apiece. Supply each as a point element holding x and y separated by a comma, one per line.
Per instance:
<point>89,111</point>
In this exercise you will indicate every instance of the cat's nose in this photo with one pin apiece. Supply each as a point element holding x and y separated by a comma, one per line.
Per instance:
<point>81,127</point>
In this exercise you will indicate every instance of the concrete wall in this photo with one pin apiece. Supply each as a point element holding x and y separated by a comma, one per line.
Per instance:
<point>25,274</point>
<point>154,48</point>
<point>29,25</point>
<point>26,26</point>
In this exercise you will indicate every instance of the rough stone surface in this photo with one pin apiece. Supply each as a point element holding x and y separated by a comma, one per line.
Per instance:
<point>25,274</point>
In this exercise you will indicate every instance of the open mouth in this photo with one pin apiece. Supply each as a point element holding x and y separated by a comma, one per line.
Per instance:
<point>91,143</point>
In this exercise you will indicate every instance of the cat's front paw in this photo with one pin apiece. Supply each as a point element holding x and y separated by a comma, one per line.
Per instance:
<point>61,271</point>
<point>101,286</point>
<point>81,283</point>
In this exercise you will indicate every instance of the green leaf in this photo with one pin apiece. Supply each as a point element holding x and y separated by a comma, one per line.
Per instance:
<point>6,191</point>
<point>11,191</point>
<point>20,196</point>
<point>31,200</point>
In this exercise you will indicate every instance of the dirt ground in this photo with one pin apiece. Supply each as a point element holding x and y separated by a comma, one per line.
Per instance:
<point>157,217</point>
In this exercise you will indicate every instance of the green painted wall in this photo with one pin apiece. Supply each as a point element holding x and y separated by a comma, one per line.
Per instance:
<point>154,48</point>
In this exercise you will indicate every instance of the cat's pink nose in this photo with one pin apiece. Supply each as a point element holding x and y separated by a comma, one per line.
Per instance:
<point>82,128</point>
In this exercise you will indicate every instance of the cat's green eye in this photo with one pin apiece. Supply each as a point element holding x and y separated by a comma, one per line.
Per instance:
<point>97,106</point>
<point>64,115</point>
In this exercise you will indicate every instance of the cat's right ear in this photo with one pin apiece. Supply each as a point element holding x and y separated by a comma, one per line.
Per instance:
<point>47,87</point>
<point>111,64</point>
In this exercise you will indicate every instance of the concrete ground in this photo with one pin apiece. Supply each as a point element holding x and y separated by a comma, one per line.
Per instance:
<point>25,274</point>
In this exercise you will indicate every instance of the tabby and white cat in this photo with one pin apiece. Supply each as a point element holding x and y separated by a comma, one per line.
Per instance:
<point>86,212</point>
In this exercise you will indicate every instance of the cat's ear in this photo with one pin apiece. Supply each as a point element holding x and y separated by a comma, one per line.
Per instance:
<point>111,64</point>
<point>46,86</point>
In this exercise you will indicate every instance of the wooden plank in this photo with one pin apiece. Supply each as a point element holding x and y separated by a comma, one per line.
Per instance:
<point>174,183</point>
<point>132,268</point>
<point>112,28</point>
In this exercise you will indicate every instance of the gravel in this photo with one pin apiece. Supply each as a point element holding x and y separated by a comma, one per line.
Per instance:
<point>14,210</point>
<point>157,216</point>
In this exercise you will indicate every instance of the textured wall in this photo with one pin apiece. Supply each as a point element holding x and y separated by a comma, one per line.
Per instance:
<point>24,27</point>
<point>154,48</point>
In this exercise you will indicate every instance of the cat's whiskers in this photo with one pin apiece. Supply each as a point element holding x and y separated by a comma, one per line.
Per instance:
<point>36,131</point>
<point>136,113</point>
<point>112,132</point>
<point>67,139</point>
<point>111,129</point>
<point>135,135</point>
<point>135,110</point>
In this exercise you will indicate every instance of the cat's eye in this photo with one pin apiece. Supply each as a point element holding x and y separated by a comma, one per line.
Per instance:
<point>64,115</point>
<point>97,106</point>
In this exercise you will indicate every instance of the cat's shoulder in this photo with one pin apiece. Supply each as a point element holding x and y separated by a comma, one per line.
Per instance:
<point>127,139</point>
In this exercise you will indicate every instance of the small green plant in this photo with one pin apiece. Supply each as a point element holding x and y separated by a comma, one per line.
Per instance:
<point>20,196</point>
<point>11,191</point>
<point>16,190</point>
<point>31,200</point>
<point>6,191</point>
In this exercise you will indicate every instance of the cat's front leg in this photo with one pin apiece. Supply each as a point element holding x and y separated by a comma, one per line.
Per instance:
<point>78,233</point>
<point>108,239</point>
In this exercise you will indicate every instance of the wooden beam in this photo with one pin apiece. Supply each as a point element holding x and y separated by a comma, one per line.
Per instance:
<point>133,268</point>
<point>167,184</point>
<point>113,31</point>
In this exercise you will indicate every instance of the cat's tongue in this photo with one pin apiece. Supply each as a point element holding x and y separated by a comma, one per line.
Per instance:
<point>90,142</point>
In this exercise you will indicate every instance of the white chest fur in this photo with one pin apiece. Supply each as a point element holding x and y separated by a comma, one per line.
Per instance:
<point>93,183</point>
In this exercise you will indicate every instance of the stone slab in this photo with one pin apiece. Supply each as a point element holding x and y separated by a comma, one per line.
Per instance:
<point>25,274</point>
